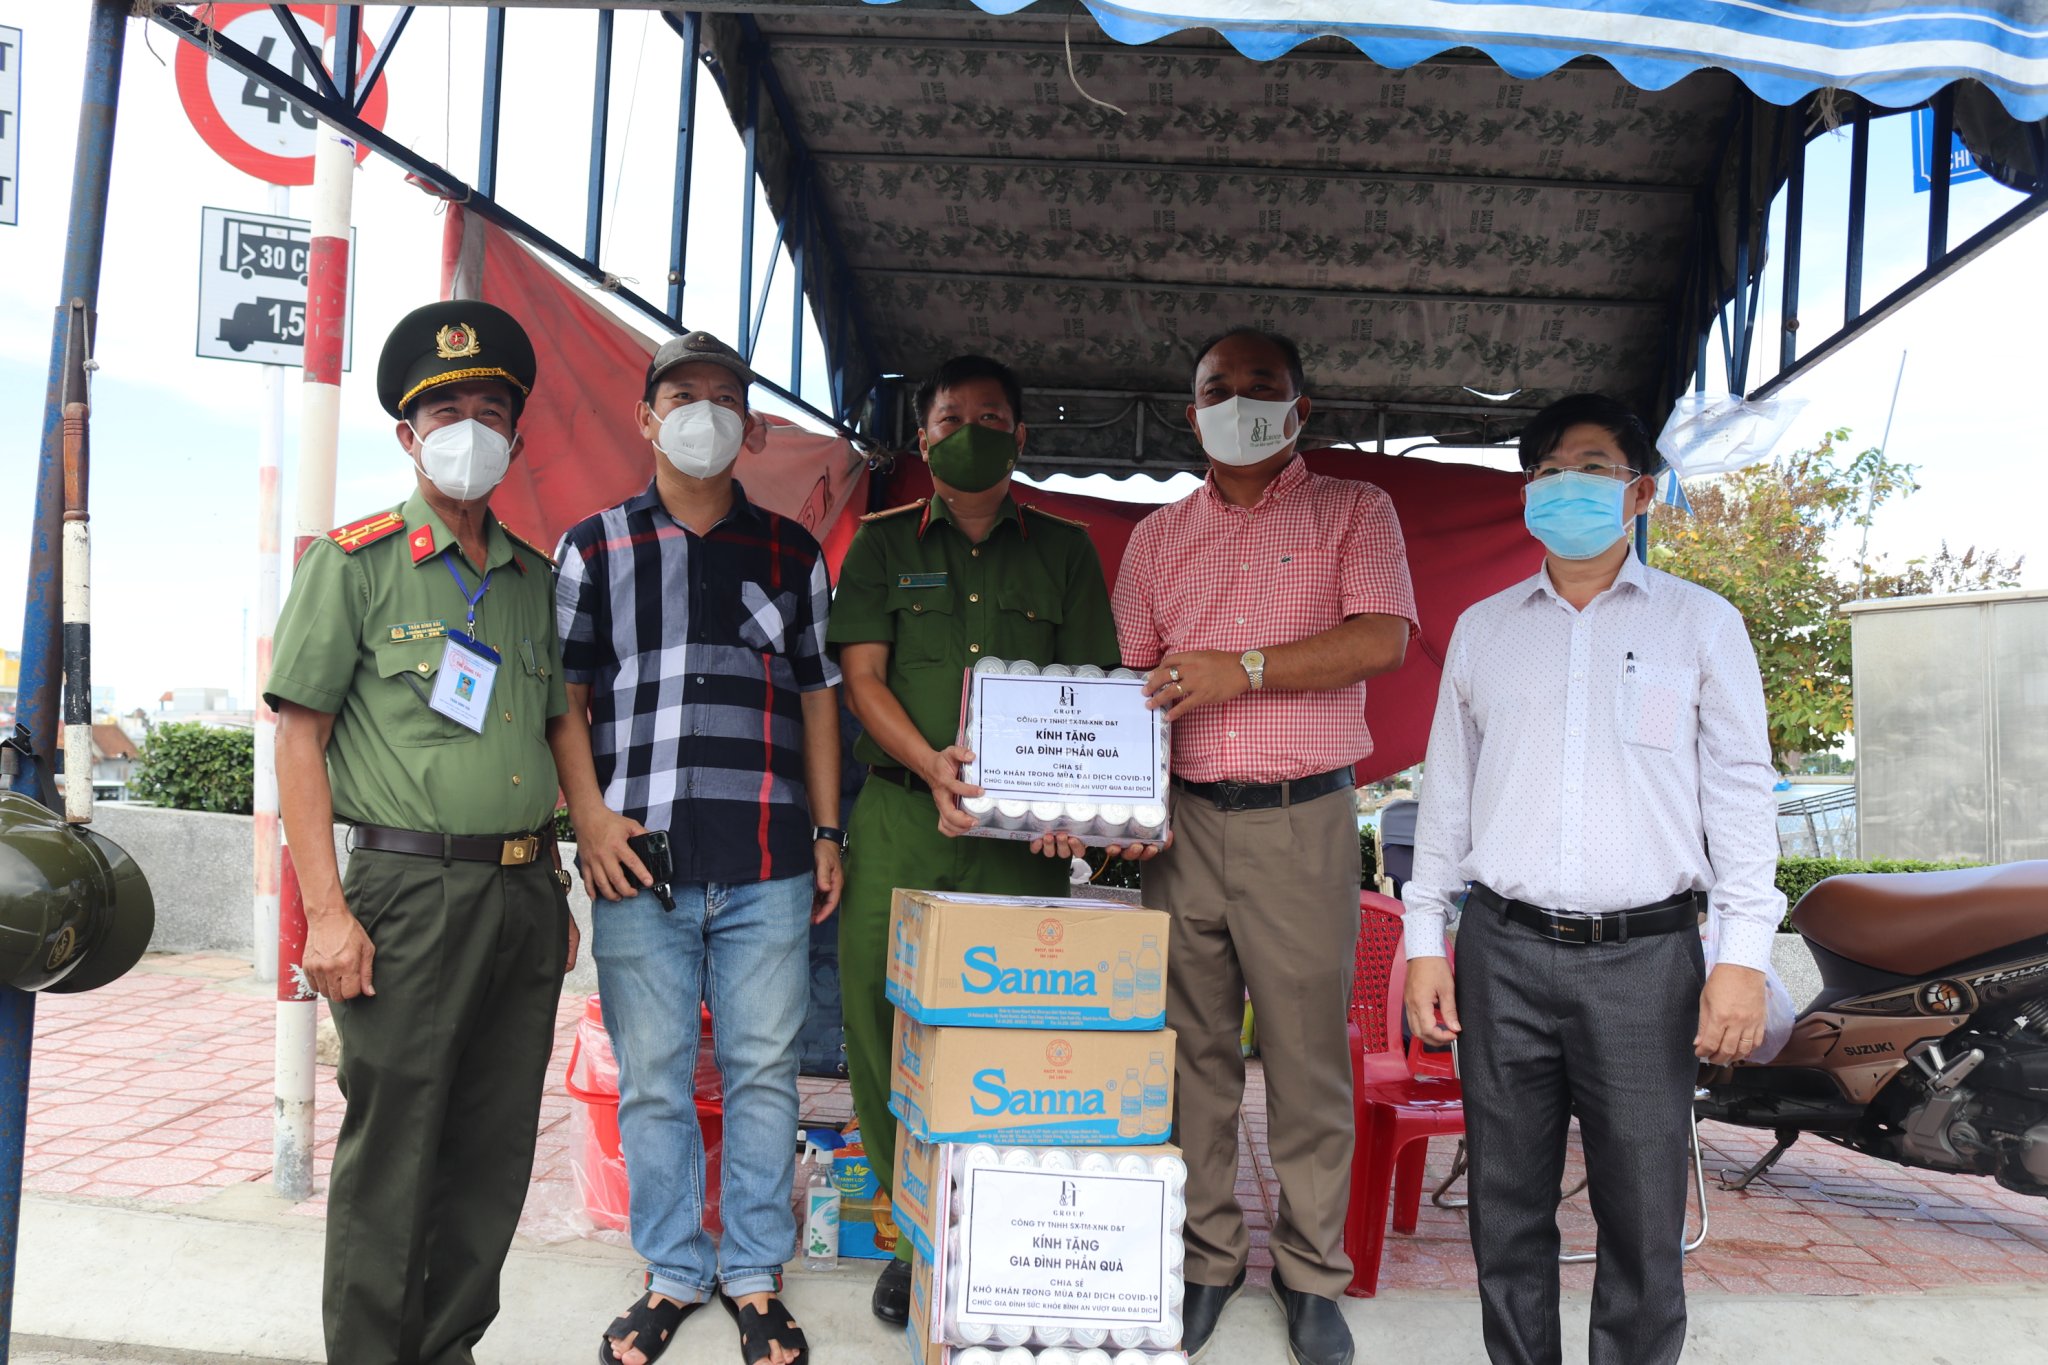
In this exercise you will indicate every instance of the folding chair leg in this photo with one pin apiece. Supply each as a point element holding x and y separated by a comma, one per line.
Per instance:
<point>1693,1242</point>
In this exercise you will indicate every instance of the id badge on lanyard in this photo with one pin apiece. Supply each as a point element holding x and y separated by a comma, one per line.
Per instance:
<point>462,689</point>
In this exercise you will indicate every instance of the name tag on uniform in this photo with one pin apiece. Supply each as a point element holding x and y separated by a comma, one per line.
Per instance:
<point>920,580</point>
<point>418,630</point>
<point>462,691</point>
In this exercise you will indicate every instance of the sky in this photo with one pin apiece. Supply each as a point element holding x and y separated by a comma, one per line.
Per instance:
<point>176,438</point>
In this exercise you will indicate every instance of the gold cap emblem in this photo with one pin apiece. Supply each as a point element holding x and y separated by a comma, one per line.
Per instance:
<point>456,341</point>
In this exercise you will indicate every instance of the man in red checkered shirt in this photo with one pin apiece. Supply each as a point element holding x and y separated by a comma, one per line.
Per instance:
<point>1261,603</point>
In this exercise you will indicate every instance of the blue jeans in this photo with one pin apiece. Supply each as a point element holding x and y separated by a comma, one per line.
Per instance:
<point>743,950</point>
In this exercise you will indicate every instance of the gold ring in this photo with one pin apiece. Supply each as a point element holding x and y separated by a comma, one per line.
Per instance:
<point>1178,688</point>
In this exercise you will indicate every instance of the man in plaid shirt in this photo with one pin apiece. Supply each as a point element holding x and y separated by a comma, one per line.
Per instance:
<point>693,640</point>
<point>1261,603</point>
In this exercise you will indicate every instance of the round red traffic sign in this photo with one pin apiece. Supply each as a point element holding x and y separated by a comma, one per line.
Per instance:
<point>253,126</point>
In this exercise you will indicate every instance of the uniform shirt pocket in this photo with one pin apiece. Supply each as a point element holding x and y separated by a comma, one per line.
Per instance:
<point>1654,703</point>
<point>406,669</point>
<point>922,624</point>
<point>1028,623</point>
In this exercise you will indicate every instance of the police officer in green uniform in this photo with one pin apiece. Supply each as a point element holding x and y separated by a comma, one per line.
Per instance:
<point>415,675</point>
<point>924,591</point>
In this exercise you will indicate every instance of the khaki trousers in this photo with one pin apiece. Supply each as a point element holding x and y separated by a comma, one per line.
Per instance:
<point>1265,900</point>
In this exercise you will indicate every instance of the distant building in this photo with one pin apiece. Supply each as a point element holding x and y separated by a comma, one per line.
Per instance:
<point>214,706</point>
<point>113,760</point>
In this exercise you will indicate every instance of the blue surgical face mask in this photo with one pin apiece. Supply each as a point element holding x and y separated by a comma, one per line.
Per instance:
<point>1575,515</point>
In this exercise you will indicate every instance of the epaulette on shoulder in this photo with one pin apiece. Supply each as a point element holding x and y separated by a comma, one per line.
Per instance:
<point>894,511</point>
<point>524,543</point>
<point>368,531</point>
<point>1035,509</point>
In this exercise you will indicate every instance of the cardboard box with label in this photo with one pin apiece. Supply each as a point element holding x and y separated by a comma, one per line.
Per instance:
<point>1030,1086</point>
<point>920,1331</point>
<point>920,1193</point>
<point>1019,962</point>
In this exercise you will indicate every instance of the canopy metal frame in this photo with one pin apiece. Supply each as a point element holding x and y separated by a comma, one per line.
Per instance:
<point>823,280</point>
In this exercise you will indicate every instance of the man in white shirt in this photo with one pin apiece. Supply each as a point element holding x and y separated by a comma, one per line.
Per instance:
<point>1600,773</point>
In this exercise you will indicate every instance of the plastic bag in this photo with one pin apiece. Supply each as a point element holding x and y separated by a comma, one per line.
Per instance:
<point>1714,433</point>
<point>1779,1011</point>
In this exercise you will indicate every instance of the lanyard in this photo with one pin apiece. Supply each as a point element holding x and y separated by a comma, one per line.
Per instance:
<point>463,588</point>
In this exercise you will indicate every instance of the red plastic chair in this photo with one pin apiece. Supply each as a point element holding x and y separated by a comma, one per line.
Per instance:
<point>1402,1097</point>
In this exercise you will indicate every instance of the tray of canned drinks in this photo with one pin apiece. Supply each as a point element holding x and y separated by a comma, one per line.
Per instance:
<point>1058,748</point>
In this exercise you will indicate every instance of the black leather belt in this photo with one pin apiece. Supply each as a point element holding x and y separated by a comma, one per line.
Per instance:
<point>507,850</point>
<point>902,777</point>
<point>1229,796</point>
<point>1686,910</point>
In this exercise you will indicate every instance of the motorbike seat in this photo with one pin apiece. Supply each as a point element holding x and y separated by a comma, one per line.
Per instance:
<point>1914,923</point>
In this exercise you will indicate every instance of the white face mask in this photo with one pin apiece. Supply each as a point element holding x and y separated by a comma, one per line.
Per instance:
<point>465,459</point>
<point>1242,431</point>
<point>701,439</point>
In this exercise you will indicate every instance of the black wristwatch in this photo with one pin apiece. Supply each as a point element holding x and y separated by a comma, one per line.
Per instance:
<point>837,836</point>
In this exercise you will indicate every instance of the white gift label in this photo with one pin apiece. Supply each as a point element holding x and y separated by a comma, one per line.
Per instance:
<point>1063,1247</point>
<point>1065,739</point>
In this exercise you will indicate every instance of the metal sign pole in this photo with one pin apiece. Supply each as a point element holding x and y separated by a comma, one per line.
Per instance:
<point>40,647</point>
<point>334,164</point>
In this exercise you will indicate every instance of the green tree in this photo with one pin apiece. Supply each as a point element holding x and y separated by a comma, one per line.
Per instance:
<point>1759,537</point>
<point>198,767</point>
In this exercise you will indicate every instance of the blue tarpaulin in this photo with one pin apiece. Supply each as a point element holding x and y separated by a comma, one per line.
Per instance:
<point>1894,53</point>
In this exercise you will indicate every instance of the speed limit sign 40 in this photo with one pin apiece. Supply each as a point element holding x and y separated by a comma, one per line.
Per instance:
<point>251,124</point>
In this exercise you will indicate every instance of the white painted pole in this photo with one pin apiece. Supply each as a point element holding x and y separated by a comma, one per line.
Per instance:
<point>269,530</point>
<point>77,570</point>
<point>334,164</point>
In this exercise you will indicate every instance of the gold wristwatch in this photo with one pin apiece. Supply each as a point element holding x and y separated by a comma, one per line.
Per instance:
<point>561,876</point>
<point>1254,661</point>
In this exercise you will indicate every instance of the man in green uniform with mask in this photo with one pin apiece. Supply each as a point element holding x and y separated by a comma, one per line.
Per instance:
<point>415,676</point>
<point>924,591</point>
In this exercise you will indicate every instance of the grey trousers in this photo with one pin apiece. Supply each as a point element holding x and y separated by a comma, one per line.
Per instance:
<point>1264,901</point>
<point>1604,1030</point>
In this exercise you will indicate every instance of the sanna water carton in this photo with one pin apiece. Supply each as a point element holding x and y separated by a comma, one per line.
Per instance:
<point>1033,1087</point>
<point>1019,962</point>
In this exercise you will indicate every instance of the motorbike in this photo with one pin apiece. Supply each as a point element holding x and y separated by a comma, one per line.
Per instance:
<point>1927,1044</point>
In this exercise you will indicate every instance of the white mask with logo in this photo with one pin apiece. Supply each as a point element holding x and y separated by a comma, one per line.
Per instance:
<point>1242,431</point>
<point>701,439</point>
<point>465,459</point>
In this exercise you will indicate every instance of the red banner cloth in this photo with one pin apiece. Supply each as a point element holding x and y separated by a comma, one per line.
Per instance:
<point>583,450</point>
<point>1466,541</point>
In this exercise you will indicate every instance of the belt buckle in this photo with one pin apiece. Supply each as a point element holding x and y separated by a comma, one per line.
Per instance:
<point>1229,794</point>
<point>518,852</point>
<point>1599,928</point>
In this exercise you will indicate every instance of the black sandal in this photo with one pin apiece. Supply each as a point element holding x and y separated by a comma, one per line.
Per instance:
<point>651,1325</point>
<point>760,1332</point>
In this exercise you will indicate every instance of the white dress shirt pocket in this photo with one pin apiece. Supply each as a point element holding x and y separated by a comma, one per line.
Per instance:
<point>1653,701</point>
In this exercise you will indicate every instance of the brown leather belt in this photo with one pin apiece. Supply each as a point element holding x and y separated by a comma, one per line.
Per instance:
<point>1687,910</point>
<point>902,777</point>
<point>507,850</point>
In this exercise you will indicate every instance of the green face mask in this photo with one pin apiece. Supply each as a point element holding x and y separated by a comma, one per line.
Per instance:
<point>973,458</point>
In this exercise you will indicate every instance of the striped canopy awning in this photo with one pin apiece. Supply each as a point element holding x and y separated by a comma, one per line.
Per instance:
<point>1894,53</point>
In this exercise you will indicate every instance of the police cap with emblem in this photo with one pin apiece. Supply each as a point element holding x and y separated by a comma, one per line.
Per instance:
<point>451,342</point>
<point>695,348</point>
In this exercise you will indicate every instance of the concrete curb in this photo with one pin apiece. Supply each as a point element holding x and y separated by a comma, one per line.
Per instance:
<point>238,1278</point>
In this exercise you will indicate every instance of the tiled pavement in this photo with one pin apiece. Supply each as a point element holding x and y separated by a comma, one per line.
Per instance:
<point>156,1090</point>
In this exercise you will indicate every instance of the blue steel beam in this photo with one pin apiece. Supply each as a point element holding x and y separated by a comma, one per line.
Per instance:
<point>799,210</point>
<point>309,56</point>
<point>752,335</point>
<point>348,37</point>
<point>750,143</point>
<point>494,90</point>
<point>43,608</point>
<point>1940,165</point>
<point>689,27</point>
<point>600,124</point>
<point>383,54</point>
<point>1795,233</point>
<point>1859,197</point>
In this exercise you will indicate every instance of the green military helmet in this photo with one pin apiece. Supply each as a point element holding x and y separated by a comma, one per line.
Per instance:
<point>450,342</point>
<point>75,910</point>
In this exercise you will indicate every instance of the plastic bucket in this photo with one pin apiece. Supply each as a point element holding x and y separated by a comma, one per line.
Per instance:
<point>593,1080</point>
